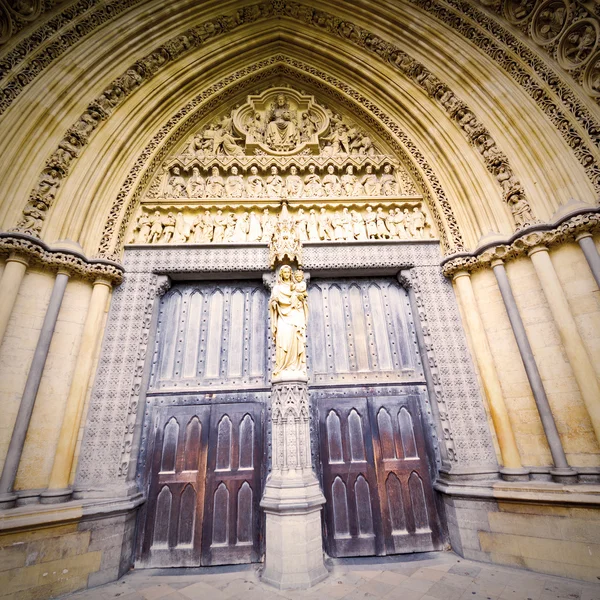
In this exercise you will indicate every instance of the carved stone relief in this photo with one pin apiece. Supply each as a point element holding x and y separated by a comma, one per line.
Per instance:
<point>549,21</point>
<point>453,13</point>
<point>115,402</point>
<point>250,222</point>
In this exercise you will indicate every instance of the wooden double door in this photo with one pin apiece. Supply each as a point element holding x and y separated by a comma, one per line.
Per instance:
<point>204,486</point>
<point>376,477</point>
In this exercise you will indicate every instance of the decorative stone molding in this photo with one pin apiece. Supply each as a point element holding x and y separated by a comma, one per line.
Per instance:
<point>452,13</point>
<point>565,229</point>
<point>411,157</point>
<point>23,63</point>
<point>570,117</point>
<point>14,16</point>
<point>568,31</point>
<point>39,253</point>
<point>114,405</point>
<point>57,166</point>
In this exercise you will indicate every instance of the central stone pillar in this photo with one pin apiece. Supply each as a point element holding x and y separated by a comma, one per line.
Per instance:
<point>293,498</point>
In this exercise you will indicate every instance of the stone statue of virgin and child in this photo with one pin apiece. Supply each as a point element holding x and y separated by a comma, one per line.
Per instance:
<point>288,309</point>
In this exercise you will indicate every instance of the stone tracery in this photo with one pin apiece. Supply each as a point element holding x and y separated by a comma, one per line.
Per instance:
<point>495,161</point>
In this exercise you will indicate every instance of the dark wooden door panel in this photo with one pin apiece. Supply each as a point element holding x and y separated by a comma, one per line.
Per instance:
<point>174,515</point>
<point>410,520</point>
<point>353,518</point>
<point>231,531</point>
<point>376,478</point>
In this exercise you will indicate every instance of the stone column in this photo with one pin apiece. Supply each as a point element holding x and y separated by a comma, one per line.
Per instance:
<point>58,487</point>
<point>562,472</point>
<point>512,469</point>
<point>15,448</point>
<point>293,498</point>
<point>12,276</point>
<point>586,243</point>
<point>582,366</point>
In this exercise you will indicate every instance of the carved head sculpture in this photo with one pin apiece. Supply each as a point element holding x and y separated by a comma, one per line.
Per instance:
<point>234,170</point>
<point>345,211</point>
<point>280,100</point>
<point>285,273</point>
<point>323,211</point>
<point>266,212</point>
<point>300,212</point>
<point>219,213</point>
<point>369,209</point>
<point>387,168</point>
<point>311,169</point>
<point>195,172</point>
<point>369,169</point>
<point>293,170</point>
<point>349,169</point>
<point>175,170</point>
<point>406,211</point>
<point>299,275</point>
<point>215,171</point>
<point>157,214</point>
<point>330,169</point>
<point>253,170</point>
<point>207,213</point>
<point>312,211</point>
<point>273,170</point>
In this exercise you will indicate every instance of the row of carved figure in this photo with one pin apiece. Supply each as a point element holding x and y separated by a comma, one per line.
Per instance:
<point>312,185</point>
<point>338,226</point>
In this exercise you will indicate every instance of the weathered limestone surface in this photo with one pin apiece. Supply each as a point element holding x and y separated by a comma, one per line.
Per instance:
<point>106,96</point>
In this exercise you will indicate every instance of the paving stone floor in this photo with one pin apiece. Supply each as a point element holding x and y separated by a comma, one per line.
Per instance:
<point>434,576</point>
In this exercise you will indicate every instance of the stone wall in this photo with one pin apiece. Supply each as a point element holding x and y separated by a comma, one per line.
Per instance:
<point>573,422</point>
<point>557,539</point>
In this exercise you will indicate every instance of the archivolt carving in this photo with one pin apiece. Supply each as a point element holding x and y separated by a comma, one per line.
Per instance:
<point>517,11</point>
<point>127,200</point>
<point>495,160</point>
<point>521,63</point>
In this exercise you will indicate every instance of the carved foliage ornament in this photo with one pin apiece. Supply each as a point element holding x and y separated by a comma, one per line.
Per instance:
<point>452,13</point>
<point>150,64</point>
<point>567,231</point>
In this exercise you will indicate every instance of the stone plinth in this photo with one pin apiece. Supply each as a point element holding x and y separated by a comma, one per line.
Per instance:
<point>293,498</point>
<point>294,544</point>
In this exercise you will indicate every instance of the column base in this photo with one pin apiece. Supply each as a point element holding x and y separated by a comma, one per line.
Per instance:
<point>56,496</point>
<point>521,474</point>
<point>8,500</point>
<point>564,475</point>
<point>294,543</point>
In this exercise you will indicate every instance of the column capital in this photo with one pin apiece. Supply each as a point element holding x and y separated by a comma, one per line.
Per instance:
<point>497,262</point>
<point>461,274</point>
<point>64,271</point>
<point>19,258</point>
<point>583,234</point>
<point>537,249</point>
<point>100,280</point>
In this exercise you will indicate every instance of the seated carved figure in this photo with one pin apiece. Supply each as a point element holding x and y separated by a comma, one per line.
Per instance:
<point>281,132</point>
